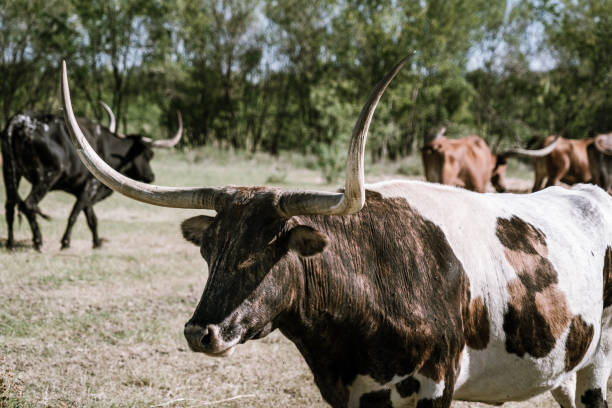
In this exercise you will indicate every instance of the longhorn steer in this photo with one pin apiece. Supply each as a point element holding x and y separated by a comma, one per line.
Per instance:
<point>394,299</point>
<point>466,162</point>
<point>37,146</point>
<point>567,162</point>
<point>600,160</point>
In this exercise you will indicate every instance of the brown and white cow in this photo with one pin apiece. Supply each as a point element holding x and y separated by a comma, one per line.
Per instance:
<point>600,160</point>
<point>404,292</point>
<point>466,162</point>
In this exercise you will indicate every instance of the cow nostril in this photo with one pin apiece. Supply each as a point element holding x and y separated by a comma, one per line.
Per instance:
<point>194,333</point>
<point>206,336</point>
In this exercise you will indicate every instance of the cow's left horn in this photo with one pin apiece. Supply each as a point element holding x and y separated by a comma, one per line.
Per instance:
<point>177,197</point>
<point>168,143</point>
<point>353,197</point>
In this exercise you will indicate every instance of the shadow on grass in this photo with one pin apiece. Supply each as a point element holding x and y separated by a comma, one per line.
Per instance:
<point>18,245</point>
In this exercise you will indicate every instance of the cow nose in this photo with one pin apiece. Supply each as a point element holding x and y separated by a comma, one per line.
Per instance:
<point>205,339</point>
<point>195,336</point>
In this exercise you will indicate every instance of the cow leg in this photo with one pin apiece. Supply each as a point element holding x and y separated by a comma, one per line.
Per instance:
<point>92,222</point>
<point>565,393</point>
<point>540,174</point>
<point>556,172</point>
<point>11,182</point>
<point>74,213</point>
<point>30,207</point>
<point>102,192</point>
<point>591,381</point>
<point>93,192</point>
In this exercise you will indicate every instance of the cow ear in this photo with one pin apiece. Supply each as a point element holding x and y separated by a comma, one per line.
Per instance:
<point>306,241</point>
<point>193,228</point>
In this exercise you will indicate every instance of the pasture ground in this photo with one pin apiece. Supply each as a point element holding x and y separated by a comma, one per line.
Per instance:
<point>102,328</point>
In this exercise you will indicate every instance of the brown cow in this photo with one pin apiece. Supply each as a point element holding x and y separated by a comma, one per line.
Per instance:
<point>466,162</point>
<point>600,160</point>
<point>567,162</point>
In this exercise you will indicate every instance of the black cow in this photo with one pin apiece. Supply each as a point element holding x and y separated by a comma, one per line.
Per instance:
<point>37,146</point>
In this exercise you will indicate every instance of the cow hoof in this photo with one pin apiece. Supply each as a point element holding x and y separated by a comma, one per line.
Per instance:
<point>64,246</point>
<point>98,244</point>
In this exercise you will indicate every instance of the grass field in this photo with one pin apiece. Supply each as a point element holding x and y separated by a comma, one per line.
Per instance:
<point>102,328</point>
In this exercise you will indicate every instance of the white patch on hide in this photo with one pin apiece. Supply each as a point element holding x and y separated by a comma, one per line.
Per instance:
<point>576,240</point>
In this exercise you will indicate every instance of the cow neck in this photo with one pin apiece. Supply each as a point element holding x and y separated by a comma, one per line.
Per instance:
<point>385,299</point>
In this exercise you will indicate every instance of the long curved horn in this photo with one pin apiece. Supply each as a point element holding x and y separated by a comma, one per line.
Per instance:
<point>169,143</point>
<point>440,133</point>
<point>545,151</point>
<point>353,197</point>
<point>112,126</point>
<point>177,197</point>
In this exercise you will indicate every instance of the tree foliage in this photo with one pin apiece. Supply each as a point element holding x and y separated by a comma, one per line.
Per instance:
<point>275,75</point>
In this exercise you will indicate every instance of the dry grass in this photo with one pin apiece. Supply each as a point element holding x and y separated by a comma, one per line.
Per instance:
<point>85,328</point>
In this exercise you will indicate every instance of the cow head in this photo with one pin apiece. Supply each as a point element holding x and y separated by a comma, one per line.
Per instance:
<point>131,155</point>
<point>135,162</point>
<point>252,241</point>
<point>249,247</point>
<point>138,157</point>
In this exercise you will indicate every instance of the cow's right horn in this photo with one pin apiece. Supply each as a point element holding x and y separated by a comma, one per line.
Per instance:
<point>352,198</point>
<point>177,197</point>
<point>168,143</point>
<point>440,133</point>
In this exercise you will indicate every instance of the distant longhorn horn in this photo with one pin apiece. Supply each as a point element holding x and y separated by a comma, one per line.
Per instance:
<point>170,143</point>
<point>112,126</point>
<point>531,153</point>
<point>440,133</point>
<point>353,197</point>
<point>177,197</point>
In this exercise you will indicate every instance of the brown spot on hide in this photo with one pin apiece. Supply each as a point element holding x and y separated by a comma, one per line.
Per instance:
<point>518,235</point>
<point>477,325</point>
<point>376,399</point>
<point>407,387</point>
<point>578,341</point>
<point>551,304</point>
<point>593,399</point>
<point>537,311</point>
<point>434,366</point>
<point>607,278</point>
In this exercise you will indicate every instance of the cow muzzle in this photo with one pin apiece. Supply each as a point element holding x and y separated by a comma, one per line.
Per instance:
<point>209,340</point>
